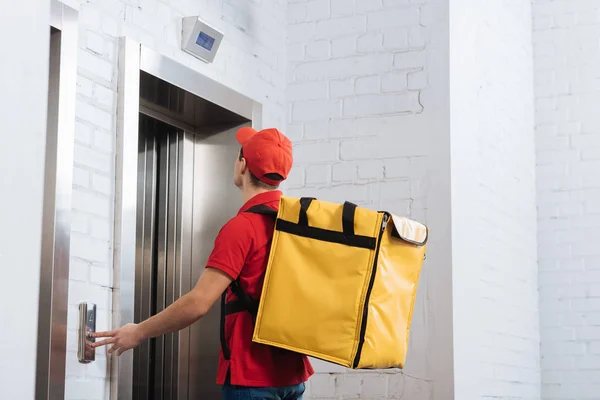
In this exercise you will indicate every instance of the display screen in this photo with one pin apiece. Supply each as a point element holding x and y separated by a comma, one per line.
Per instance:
<point>205,41</point>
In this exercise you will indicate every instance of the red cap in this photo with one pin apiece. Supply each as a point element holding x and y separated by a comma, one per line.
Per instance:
<point>266,152</point>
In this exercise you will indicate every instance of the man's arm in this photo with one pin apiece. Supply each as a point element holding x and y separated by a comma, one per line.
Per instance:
<point>190,307</point>
<point>232,245</point>
<point>184,312</point>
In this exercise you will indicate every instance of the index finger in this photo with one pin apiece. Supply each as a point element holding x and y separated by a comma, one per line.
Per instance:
<point>104,334</point>
<point>103,342</point>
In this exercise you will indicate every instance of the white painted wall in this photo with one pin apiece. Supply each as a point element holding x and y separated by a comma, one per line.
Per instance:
<point>23,109</point>
<point>250,60</point>
<point>494,267</point>
<point>567,61</point>
<point>367,102</point>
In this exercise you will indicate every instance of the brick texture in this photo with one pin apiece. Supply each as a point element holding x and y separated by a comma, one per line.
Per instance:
<point>352,96</point>
<point>567,58</point>
<point>373,386</point>
<point>93,197</point>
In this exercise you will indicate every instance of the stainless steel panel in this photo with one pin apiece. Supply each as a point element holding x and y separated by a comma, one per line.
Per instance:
<point>171,266</point>
<point>183,279</point>
<point>166,175</point>
<point>216,200</point>
<point>147,172</point>
<point>144,109</point>
<point>180,107</point>
<point>162,212</point>
<point>196,83</point>
<point>56,224</point>
<point>125,209</point>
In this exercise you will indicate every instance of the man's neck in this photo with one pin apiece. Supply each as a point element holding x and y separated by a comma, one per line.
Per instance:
<point>250,192</point>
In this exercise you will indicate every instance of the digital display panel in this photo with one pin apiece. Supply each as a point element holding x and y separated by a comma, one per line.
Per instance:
<point>205,41</point>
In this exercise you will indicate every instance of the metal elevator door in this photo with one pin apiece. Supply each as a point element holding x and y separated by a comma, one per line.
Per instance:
<point>161,182</point>
<point>185,194</point>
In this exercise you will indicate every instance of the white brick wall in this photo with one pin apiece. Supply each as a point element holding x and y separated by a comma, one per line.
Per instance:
<point>366,112</point>
<point>93,199</point>
<point>250,60</point>
<point>23,110</point>
<point>567,61</point>
<point>370,386</point>
<point>496,332</point>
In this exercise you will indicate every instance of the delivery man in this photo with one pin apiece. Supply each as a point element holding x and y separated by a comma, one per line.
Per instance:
<point>246,370</point>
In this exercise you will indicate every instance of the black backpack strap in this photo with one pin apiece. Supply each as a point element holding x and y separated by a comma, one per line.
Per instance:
<point>243,301</point>
<point>249,304</point>
<point>263,210</point>
<point>224,347</point>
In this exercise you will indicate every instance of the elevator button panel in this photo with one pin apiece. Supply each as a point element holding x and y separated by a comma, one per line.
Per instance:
<point>87,325</point>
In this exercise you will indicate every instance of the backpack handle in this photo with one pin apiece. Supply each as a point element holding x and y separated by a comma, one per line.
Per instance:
<point>348,218</point>
<point>348,212</point>
<point>304,204</point>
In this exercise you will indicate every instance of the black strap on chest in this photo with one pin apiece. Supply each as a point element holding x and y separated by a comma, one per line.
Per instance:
<point>243,301</point>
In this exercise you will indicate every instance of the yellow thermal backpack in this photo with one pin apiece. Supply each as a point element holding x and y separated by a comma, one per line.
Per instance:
<point>340,283</point>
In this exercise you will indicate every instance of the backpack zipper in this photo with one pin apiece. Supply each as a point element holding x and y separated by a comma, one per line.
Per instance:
<point>363,325</point>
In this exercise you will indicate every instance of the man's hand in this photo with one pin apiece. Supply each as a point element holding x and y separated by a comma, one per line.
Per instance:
<point>122,339</point>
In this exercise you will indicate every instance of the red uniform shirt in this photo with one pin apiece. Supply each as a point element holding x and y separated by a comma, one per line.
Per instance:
<point>242,250</point>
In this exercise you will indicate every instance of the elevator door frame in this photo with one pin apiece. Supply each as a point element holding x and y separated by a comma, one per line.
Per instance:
<point>56,224</point>
<point>133,58</point>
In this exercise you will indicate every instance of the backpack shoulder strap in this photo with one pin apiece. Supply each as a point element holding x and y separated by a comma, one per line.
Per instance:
<point>262,209</point>
<point>243,302</point>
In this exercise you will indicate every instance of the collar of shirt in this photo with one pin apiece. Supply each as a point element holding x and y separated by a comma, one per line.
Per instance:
<point>262,198</point>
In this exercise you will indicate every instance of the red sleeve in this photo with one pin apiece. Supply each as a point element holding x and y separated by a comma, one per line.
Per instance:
<point>232,246</point>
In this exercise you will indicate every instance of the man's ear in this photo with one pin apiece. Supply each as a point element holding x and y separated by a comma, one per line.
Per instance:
<point>243,165</point>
